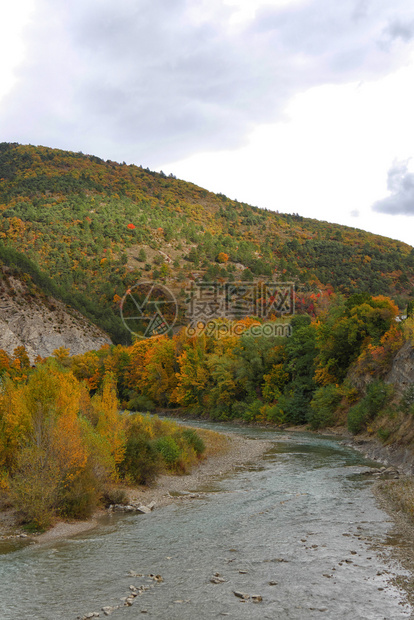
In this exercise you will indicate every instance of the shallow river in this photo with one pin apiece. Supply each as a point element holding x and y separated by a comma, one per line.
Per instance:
<point>301,529</point>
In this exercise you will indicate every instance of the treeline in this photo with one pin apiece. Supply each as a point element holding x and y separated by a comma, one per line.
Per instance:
<point>63,449</point>
<point>319,375</point>
<point>315,376</point>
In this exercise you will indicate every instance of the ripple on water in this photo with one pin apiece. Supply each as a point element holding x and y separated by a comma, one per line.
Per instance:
<point>301,530</point>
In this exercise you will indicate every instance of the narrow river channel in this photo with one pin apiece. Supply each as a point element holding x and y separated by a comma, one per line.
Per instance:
<point>301,529</point>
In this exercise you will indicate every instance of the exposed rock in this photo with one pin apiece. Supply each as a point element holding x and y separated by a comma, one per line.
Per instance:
<point>130,508</point>
<point>217,579</point>
<point>43,324</point>
<point>402,372</point>
<point>256,598</point>
<point>399,459</point>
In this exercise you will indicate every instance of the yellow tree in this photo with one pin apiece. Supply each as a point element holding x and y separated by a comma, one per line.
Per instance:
<point>159,376</point>
<point>193,374</point>
<point>110,423</point>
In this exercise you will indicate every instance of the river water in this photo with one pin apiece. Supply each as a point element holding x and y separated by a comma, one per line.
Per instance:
<point>301,529</point>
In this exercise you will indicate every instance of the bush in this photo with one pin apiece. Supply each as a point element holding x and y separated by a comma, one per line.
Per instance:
<point>238,409</point>
<point>194,440</point>
<point>275,413</point>
<point>377,395</point>
<point>114,495</point>
<point>80,498</point>
<point>407,400</point>
<point>358,416</point>
<point>252,411</point>
<point>169,450</point>
<point>139,402</point>
<point>34,487</point>
<point>142,461</point>
<point>297,408</point>
<point>323,405</point>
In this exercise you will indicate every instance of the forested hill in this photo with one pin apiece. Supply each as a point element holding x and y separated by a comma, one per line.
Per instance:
<point>85,230</point>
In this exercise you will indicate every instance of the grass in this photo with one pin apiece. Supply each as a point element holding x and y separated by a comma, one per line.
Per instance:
<point>216,443</point>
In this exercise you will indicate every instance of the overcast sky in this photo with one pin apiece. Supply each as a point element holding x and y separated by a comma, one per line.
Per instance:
<point>303,106</point>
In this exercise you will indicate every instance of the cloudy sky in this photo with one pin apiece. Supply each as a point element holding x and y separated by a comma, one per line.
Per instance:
<point>303,106</point>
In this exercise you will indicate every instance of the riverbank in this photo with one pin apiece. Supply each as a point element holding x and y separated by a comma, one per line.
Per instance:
<point>224,454</point>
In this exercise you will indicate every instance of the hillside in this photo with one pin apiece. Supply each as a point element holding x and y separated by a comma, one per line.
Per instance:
<point>85,230</point>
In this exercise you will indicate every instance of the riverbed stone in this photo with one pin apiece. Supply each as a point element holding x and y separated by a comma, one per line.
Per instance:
<point>256,598</point>
<point>217,579</point>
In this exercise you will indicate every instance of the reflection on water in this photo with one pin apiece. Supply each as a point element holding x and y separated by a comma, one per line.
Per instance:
<point>300,529</point>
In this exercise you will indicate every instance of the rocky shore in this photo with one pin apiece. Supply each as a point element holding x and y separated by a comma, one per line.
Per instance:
<point>235,451</point>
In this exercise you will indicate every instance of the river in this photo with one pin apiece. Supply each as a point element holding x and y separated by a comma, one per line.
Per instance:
<point>301,529</point>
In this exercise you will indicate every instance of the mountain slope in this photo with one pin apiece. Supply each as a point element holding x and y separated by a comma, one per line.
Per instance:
<point>91,229</point>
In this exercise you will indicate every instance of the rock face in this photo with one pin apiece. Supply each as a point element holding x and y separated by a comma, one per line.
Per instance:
<point>402,372</point>
<point>43,324</point>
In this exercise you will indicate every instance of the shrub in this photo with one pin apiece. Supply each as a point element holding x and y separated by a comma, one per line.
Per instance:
<point>407,399</point>
<point>142,461</point>
<point>383,434</point>
<point>377,395</point>
<point>169,450</point>
<point>34,487</point>
<point>114,495</point>
<point>252,411</point>
<point>323,405</point>
<point>238,409</point>
<point>80,497</point>
<point>276,413</point>
<point>139,402</point>
<point>297,408</point>
<point>194,440</point>
<point>357,418</point>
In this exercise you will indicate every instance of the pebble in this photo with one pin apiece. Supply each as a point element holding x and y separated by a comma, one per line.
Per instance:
<point>256,598</point>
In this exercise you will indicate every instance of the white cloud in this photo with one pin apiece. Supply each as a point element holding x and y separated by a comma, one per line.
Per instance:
<point>401,187</point>
<point>157,80</point>
<point>14,18</point>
